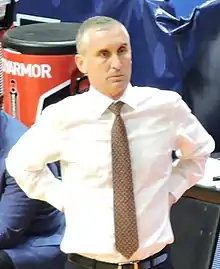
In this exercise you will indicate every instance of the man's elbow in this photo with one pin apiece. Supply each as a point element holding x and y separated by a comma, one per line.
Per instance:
<point>209,146</point>
<point>9,238</point>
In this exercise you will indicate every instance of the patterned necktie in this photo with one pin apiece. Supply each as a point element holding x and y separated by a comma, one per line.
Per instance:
<point>126,234</point>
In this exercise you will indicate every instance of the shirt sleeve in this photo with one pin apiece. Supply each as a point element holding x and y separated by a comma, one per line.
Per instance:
<point>193,146</point>
<point>27,160</point>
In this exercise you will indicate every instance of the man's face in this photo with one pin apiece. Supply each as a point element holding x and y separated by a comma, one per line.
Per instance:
<point>106,59</point>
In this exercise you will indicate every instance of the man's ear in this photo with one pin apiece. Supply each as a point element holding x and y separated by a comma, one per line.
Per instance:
<point>81,63</point>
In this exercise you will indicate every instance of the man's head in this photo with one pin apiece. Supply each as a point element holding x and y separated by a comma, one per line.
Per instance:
<point>104,54</point>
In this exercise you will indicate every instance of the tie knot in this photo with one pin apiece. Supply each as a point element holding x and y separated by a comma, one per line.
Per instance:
<point>115,108</point>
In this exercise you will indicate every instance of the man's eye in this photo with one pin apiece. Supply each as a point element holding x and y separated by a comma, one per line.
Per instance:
<point>104,54</point>
<point>122,50</point>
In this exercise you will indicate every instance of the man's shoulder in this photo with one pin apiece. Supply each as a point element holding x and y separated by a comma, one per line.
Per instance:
<point>156,92</point>
<point>11,129</point>
<point>13,122</point>
<point>68,109</point>
<point>71,102</point>
<point>156,95</point>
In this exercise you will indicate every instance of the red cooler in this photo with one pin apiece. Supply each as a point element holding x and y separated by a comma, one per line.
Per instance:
<point>38,68</point>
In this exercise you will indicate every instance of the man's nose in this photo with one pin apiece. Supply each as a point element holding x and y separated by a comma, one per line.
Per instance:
<point>116,62</point>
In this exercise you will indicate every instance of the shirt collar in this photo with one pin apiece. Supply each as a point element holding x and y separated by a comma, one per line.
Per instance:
<point>102,102</point>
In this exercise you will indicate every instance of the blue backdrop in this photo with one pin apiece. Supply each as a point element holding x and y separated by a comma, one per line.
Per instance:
<point>175,45</point>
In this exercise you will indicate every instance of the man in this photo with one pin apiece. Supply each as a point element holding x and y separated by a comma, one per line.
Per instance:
<point>6,14</point>
<point>30,230</point>
<point>115,185</point>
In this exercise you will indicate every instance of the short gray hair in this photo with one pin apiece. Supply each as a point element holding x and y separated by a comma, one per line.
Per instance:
<point>96,23</point>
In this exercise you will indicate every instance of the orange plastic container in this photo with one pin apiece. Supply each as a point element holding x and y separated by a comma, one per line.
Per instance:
<point>38,68</point>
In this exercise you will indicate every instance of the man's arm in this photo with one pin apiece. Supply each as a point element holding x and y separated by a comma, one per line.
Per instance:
<point>16,213</point>
<point>27,160</point>
<point>193,147</point>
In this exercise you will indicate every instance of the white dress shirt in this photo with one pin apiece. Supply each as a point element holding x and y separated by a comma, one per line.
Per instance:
<point>77,131</point>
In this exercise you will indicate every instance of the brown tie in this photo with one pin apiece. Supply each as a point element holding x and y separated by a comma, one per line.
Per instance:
<point>126,234</point>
